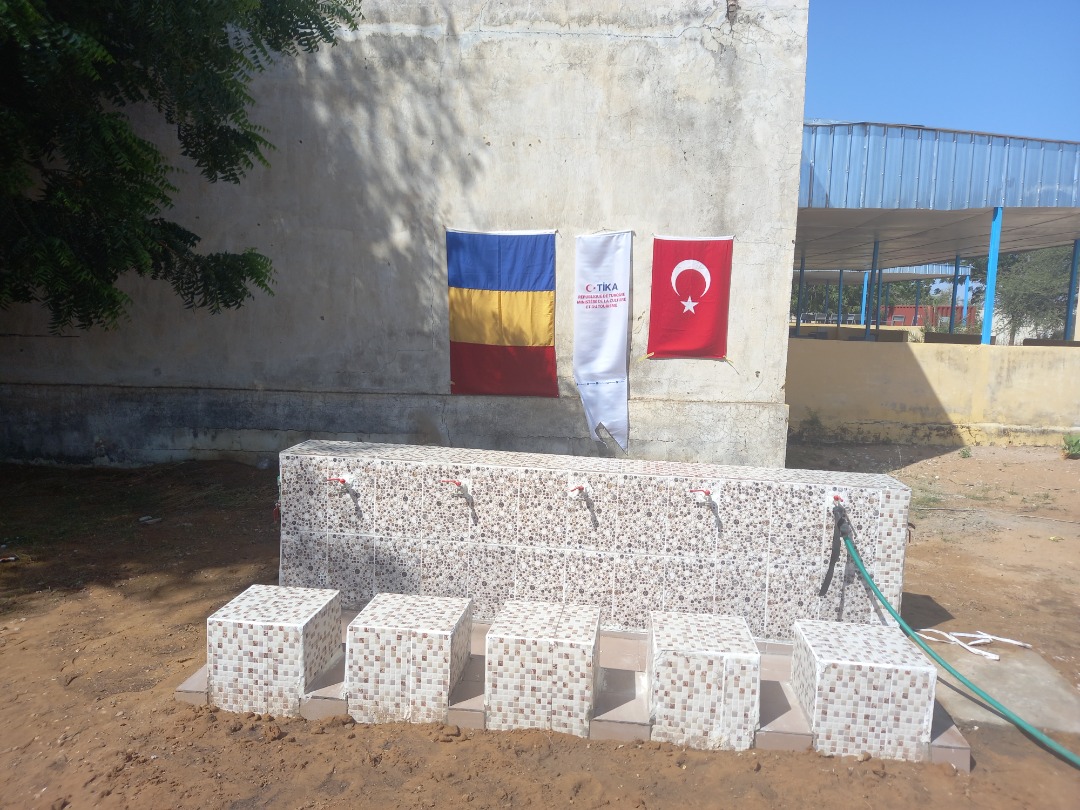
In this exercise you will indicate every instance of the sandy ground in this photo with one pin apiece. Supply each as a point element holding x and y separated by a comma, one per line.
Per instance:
<point>102,616</point>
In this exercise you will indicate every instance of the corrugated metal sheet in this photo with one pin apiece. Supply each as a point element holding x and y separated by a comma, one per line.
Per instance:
<point>928,271</point>
<point>847,165</point>
<point>922,271</point>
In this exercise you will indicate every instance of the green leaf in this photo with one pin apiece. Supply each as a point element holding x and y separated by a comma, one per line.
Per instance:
<point>81,194</point>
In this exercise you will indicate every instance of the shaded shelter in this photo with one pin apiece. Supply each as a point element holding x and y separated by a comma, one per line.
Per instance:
<point>878,196</point>
<point>892,275</point>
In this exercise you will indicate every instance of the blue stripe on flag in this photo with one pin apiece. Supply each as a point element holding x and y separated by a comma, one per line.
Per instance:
<point>515,262</point>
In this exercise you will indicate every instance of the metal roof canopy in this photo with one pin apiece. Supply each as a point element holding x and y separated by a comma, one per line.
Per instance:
<point>916,195</point>
<point>843,238</point>
<point>923,273</point>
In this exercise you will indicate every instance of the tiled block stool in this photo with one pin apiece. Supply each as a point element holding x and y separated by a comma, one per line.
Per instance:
<point>265,646</point>
<point>864,688</point>
<point>704,675</point>
<point>403,655</point>
<point>541,666</point>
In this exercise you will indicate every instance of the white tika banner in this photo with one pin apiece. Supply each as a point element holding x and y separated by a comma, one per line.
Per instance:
<point>601,310</point>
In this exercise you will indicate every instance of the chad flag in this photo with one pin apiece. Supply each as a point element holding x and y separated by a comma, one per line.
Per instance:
<point>502,313</point>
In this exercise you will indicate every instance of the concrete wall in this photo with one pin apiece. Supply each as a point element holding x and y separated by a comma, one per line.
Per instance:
<point>934,394</point>
<point>675,119</point>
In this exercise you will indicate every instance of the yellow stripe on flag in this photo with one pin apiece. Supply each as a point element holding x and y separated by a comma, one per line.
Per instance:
<point>502,318</point>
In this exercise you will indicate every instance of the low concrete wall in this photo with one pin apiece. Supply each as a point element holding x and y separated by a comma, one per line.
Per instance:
<point>932,394</point>
<point>129,426</point>
<point>644,537</point>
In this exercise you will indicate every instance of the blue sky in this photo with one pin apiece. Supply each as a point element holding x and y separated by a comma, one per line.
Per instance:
<point>1008,67</point>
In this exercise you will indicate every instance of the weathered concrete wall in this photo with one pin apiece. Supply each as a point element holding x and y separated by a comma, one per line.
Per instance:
<point>679,119</point>
<point>935,394</point>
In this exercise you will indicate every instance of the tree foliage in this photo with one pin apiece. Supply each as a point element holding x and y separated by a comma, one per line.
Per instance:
<point>82,196</point>
<point>1031,290</point>
<point>822,297</point>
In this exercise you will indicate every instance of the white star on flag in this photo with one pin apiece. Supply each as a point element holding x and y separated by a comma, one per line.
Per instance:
<point>688,305</point>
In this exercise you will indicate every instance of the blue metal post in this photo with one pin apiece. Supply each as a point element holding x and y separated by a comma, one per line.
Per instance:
<point>991,275</point>
<point>967,297</point>
<point>802,287</point>
<point>877,297</point>
<point>1070,301</point>
<point>873,269</point>
<point>862,309</point>
<point>952,307</point>
<point>918,288</point>
<point>839,303</point>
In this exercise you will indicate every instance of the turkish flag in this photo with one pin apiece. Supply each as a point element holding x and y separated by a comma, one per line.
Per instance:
<point>691,284</point>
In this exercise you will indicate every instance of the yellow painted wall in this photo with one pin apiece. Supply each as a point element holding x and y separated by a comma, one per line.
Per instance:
<point>932,393</point>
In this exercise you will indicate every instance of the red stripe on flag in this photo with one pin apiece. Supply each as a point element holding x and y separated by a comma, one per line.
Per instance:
<point>519,371</point>
<point>690,287</point>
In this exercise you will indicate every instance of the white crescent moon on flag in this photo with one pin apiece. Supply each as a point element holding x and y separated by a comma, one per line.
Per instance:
<point>696,266</point>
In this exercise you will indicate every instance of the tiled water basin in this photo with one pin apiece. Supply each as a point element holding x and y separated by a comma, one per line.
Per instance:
<point>630,536</point>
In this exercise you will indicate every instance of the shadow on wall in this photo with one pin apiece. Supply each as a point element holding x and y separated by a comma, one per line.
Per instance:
<point>863,392</point>
<point>930,394</point>
<point>369,146</point>
<point>369,151</point>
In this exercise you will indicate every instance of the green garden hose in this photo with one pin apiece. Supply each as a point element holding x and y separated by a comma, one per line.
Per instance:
<point>1015,719</point>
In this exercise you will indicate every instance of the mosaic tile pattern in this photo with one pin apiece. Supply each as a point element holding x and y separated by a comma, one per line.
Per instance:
<point>265,646</point>
<point>403,656</point>
<point>350,506</point>
<point>798,557</point>
<point>639,587</point>
<point>741,589</point>
<point>704,676</point>
<point>574,669</point>
<point>518,649</point>
<point>448,511</point>
<point>541,575</point>
<point>541,515</point>
<point>478,515</point>
<point>397,565</point>
<point>757,546</point>
<point>590,580</point>
<point>304,560</point>
<point>694,519</point>
<point>399,498</point>
<point>351,567</point>
<point>303,489</point>
<point>644,514</point>
<point>541,666</point>
<point>864,688</point>
<point>892,542</point>
<point>746,517</point>
<point>853,601</point>
<point>546,461</point>
<point>448,568</point>
<point>492,583</point>
<point>690,585</point>
<point>592,517</point>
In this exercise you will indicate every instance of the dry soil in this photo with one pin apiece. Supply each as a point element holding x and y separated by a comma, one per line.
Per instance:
<point>102,616</point>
